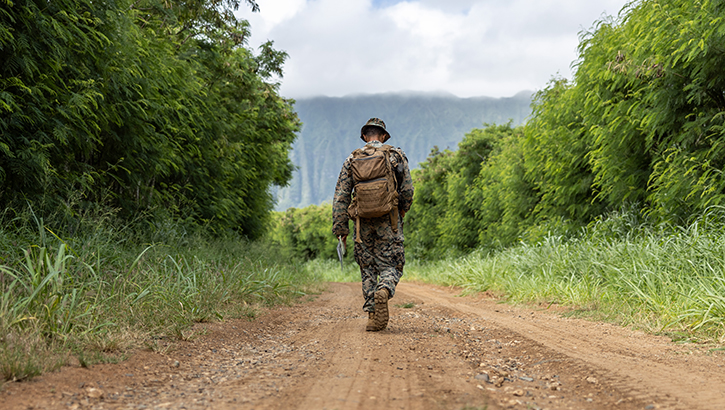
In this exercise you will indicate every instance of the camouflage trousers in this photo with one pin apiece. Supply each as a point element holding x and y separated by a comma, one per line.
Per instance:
<point>381,258</point>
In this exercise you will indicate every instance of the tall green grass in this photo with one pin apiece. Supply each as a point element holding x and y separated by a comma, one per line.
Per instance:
<point>329,270</point>
<point>662,278</point>
<point>107,288</point>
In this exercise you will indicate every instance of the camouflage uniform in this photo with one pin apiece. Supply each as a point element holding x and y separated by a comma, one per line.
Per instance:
<point>380,255</point>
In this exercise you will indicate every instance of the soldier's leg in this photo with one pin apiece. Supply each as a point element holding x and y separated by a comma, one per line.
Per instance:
<point>391,267</point>
<point>368,268</point>
<point>389,256</point>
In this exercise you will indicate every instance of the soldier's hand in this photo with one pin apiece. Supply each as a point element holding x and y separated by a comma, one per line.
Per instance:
<point>402,214</point>
<point>343,238</point>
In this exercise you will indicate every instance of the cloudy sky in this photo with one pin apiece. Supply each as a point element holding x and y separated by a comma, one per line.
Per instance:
<point>468,48</point>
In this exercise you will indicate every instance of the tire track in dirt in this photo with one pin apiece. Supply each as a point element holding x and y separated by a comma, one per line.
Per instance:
<point>644,367</point>
<point>440,351</point>
<point>376,369</point>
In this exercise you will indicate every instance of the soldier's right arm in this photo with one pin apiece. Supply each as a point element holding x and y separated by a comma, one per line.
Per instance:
<point>341,201</point>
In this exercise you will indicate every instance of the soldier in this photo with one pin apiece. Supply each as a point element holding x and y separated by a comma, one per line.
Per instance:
<point>378,240</point>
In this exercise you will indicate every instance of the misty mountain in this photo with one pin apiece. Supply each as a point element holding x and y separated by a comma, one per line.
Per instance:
<point>416,122</point>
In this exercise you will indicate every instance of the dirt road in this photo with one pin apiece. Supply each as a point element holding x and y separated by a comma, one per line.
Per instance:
<point>440,351</point>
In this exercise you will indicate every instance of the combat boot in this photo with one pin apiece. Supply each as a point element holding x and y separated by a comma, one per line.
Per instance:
<point>371,322</point>
<point>380,318</point>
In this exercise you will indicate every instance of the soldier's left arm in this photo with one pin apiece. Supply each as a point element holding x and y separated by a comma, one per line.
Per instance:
<point>405,182</point>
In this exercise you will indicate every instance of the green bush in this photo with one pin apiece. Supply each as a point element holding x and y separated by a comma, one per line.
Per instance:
<point>306,233</point>
<point>460,195</point>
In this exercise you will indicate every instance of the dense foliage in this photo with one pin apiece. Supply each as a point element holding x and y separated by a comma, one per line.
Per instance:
<point>305,233</point>
<point>143,106</point>
<point>641,123</point>
<point>448,192</point>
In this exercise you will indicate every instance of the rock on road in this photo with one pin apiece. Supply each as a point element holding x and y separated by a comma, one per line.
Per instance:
<point>440,351</point>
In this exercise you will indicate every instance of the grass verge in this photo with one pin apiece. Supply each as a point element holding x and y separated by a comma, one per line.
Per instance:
<point>663,279</point>
<point>91,297</point>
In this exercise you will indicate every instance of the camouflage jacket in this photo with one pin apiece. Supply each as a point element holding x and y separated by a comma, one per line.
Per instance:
<point>344,187</point>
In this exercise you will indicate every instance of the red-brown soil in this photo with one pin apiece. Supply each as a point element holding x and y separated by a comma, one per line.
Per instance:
<point>444,352</point>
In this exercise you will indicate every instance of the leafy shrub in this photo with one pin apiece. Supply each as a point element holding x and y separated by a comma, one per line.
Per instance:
<point>306,233</point>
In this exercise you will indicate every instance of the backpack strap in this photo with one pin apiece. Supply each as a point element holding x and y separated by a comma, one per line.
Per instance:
<point>394,213</point>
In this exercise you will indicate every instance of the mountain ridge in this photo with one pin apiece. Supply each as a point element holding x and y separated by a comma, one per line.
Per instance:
<point>416,121</point>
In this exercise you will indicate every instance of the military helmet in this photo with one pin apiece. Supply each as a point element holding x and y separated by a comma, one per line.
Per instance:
<point>374,122</point>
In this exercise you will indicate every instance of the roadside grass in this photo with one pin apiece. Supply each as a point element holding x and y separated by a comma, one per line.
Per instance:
<point>91,297</point>
<point>662,279</point>
<point>328,270</point>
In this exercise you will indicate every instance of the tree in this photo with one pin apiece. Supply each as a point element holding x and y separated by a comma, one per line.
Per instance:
<point>443,218</point>
<point>148,107</point>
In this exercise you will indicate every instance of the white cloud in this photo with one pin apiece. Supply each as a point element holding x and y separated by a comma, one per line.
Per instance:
<point>436,27</point>
<point>272,14</point>
<point>466,47</point>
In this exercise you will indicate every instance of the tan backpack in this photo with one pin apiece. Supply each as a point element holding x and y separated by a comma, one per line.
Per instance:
<point>375,189</point>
